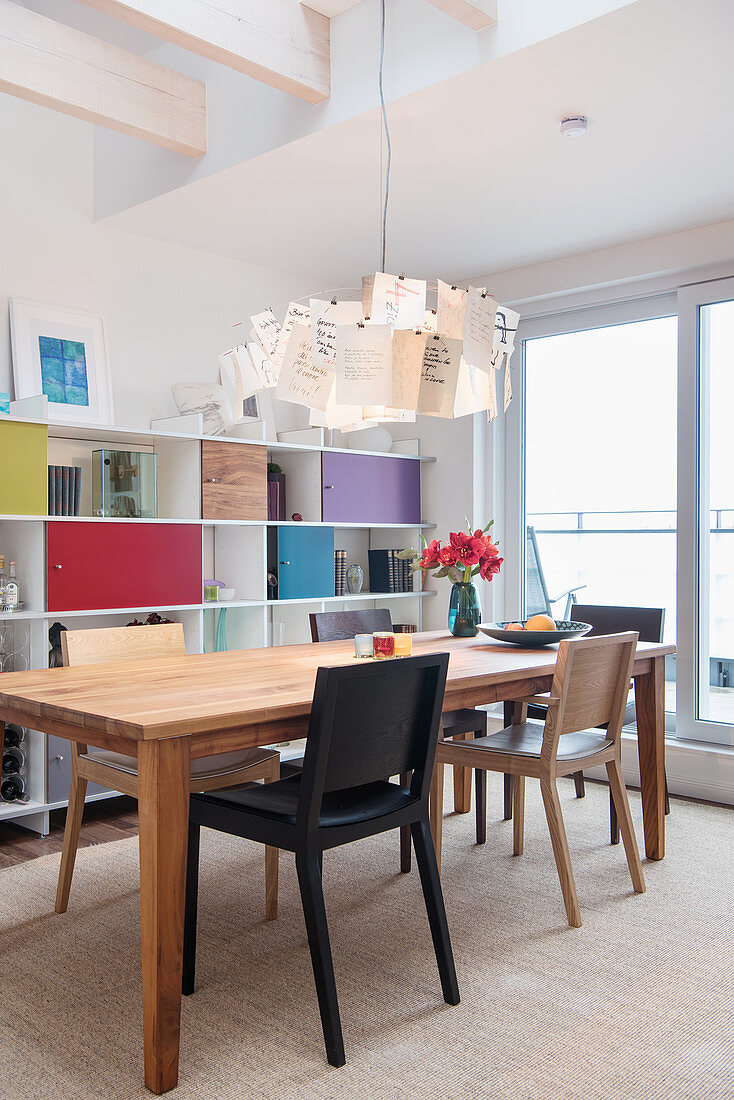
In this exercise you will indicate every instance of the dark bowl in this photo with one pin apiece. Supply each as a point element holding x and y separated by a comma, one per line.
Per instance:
<point>531,639</point>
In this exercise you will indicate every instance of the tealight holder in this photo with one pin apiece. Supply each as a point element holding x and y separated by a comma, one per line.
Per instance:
<point>383,645</point>
<point>363,645</point>
<point>403,645</point>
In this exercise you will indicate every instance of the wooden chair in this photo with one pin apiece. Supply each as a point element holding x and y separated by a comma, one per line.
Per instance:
<point>589,689</point>
<point>368,720</point>
<point>332,626</point>
<point>120,773</point>
<point>649,622</point>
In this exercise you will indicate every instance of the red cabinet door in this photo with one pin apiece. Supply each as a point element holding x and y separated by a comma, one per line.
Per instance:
<point>97,565</point>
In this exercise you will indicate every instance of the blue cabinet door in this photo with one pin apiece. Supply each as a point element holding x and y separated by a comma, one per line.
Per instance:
<point>305,562</point>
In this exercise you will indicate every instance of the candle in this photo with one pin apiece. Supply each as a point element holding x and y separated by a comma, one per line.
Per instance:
<point>403,645</point>
<point>383,645</point>
<point>363,645</point>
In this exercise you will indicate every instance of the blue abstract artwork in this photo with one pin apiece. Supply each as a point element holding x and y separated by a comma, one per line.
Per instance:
<point>64,370</point>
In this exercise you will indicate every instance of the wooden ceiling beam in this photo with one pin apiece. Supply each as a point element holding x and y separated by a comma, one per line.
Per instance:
<point>53,65</point>
<point>279,42</point>
<point>476,14</point>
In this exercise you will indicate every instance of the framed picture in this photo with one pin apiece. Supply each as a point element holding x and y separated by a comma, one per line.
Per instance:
<point>61,353</point>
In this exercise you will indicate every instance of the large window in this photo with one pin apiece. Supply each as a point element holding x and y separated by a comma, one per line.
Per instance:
<point>618,461</point>
<point>600,468</point>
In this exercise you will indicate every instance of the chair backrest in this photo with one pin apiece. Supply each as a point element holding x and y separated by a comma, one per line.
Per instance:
<point>369,720</point>
<point>122,643</point>
<point>649,622</point>
<point>591,683</point>
<point>536,592</point>
<point>335,626</point>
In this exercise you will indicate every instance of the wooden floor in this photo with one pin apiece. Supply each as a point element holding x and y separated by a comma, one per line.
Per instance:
<point>110,819</point>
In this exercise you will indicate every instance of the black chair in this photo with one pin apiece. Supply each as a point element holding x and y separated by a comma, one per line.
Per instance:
<point>332,626</point>
<point>649,623</point>
<point>367,721</point>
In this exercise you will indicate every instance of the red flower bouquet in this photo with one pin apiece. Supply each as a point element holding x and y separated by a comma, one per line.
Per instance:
<point>464,557</point>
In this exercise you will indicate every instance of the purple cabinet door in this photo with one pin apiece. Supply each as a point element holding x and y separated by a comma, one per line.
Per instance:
<point>370,489</point>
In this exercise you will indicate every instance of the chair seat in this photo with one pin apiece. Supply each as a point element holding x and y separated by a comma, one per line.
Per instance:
<point>205,767</point>
<point>279,801</point>
<point>526,739</point>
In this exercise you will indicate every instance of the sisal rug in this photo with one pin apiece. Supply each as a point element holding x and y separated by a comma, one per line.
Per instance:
<point>635,1004</point>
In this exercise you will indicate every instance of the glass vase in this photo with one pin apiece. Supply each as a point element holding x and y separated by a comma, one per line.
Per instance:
<point>465,614</point>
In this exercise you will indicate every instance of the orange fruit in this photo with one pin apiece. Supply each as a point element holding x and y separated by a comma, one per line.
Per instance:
<point>514,626</point>
<point>540,622</point>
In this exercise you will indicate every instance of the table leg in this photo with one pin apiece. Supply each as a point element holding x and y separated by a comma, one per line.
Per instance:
<point>462,782</point>
<point>163,808</point>
<point>436,810</point>
<point>650,707</point>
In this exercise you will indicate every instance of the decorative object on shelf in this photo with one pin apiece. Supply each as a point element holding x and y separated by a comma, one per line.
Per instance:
<point>276,492</point>
<point>124,484</point>
<point>4,404</point>
<point>276,632</point>
<point>210,400</point>
<point>383,645</point>
<point>55,657</point>
<point>355,579</point>
<point>64,490</point>
<point>272,586</point>
<point>340,572</point>
<point>154,619</point>
<point>61,353</point>
<point>363,645</point>
<point>404,628</point>
<point>211,593</point>
<point>226,594</point>
<point>297,517</point>
<point>220,634</point>
<point>465,556</point>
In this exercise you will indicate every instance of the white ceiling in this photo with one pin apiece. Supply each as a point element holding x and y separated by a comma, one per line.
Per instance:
<point>482,180</point>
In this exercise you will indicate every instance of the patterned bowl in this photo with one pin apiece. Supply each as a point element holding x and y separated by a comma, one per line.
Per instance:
<point>532,639</point>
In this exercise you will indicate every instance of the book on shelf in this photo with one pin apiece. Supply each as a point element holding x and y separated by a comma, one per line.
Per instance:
<point>64,490</point>
<point>388,572</point>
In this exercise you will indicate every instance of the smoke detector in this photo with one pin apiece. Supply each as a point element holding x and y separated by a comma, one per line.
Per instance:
<point>574,125</point>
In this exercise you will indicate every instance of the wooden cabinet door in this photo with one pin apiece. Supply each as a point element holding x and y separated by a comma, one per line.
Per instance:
<point>370,489</point>
<point>233,481</point>
<point>98,565</point>
<point>305,562</point>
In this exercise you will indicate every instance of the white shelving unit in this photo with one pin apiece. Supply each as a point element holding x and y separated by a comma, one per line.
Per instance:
<point>234,551</point>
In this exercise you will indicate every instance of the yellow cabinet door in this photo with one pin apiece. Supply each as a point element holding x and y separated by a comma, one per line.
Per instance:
<point>23,469</point>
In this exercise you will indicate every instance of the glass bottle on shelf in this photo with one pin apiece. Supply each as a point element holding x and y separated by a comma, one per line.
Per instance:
<point>14,735</point>
<point>11,592</point>
<point>13,789</point>
<point>14,760</point>
<point>3,579</point>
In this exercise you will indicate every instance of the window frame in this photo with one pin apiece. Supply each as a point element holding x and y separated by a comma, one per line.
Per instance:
<point>691,551</point>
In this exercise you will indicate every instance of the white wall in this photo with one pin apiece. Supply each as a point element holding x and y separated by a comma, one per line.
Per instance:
<point>649,265</point>
<point>168,311</point>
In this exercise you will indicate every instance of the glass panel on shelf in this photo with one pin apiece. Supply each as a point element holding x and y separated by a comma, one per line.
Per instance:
<point>124,484</point>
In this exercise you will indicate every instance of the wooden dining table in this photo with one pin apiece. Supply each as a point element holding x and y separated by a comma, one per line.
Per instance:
<point>167,712</point>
